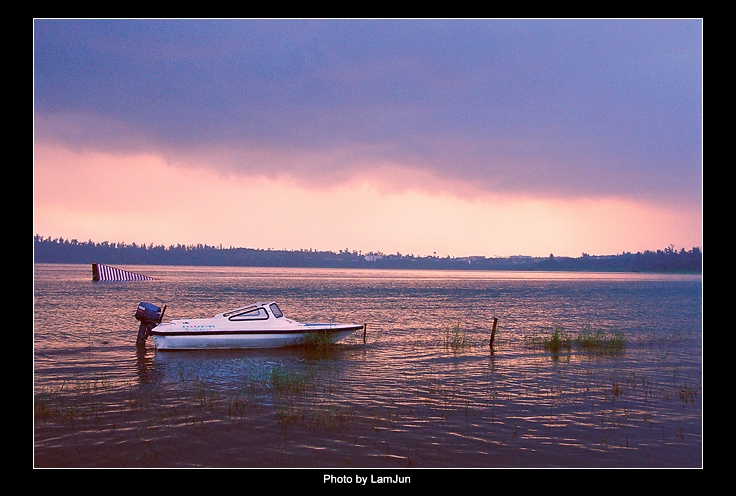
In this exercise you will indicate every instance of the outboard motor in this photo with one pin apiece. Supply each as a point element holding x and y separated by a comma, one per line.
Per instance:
<point>150,316</point>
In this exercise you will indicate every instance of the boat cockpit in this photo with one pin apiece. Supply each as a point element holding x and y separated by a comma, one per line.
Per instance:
<point>258,311</point>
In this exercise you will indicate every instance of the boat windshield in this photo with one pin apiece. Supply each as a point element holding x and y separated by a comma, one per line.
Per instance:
<point>255,314</point>
<point>276,310</point>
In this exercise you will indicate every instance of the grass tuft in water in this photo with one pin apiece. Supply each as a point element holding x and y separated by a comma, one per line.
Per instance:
<point>319,339</point>
<point>600,341</point>
<point>559,341</point>
<point>327,417</point>
<point>287,381</point>
<point>588,340</point>
<point>688,392</point>
<point>455,338</point>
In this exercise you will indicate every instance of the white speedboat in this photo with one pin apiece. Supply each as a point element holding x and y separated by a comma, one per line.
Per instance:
<point>261,325</point>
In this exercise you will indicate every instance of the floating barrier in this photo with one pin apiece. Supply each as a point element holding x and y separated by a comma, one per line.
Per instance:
<point>102,272</point>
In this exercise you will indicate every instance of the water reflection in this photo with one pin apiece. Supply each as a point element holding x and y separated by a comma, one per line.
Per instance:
<point>144,364</point>
<point>425,390</point>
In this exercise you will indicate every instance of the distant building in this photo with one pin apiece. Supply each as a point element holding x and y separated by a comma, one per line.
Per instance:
<point>521,259</point>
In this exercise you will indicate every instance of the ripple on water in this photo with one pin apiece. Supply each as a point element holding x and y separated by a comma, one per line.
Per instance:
<point>407,397</point>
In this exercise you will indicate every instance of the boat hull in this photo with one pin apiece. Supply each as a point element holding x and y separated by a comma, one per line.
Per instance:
<point>168,339</point>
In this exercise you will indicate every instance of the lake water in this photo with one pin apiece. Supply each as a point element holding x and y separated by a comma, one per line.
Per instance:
<point>425,389</point>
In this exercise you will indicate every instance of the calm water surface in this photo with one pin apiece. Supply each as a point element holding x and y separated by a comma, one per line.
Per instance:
<point>424,390</point>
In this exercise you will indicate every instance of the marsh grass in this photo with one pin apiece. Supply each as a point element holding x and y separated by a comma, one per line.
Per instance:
<point>319,339</point>
<point>588,340</point>
<point>294,397</point>
<point>45,408</point>
<point>327,417</point>
<point>558,342</point>
<point>456,339</point>
<point>289,381</point>
<point>688,392</point>
<point>599,341</point>
<point>73,401</point>
<point>324,339</point>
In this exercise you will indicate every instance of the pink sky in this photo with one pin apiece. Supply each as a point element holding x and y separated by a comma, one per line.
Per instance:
<point>140,198</point>
<point>455,137</point>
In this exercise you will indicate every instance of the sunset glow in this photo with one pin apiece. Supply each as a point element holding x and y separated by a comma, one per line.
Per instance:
<point>141,199</point>
<point>447,169</point>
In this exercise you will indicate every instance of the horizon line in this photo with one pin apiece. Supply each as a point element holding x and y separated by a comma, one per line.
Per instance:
<point>670,248</point>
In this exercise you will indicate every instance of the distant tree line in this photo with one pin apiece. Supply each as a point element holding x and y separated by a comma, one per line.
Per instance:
<point>59,250</point>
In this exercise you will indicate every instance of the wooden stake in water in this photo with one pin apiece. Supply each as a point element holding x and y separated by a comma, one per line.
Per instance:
<point>365,326</point>
<point>493,332</point>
